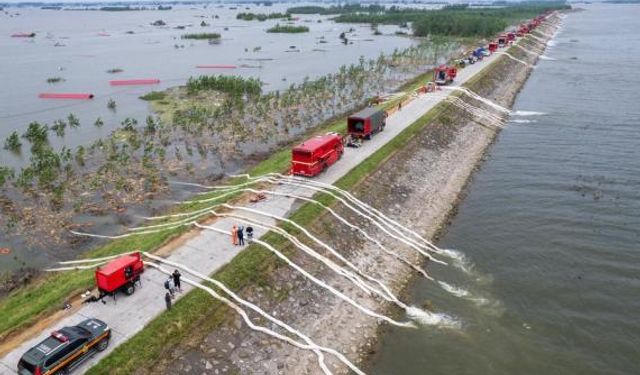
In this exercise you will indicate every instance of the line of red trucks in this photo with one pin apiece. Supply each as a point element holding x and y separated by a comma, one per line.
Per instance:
<point>315,155</point>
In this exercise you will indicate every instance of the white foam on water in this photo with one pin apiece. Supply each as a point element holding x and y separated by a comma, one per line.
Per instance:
<point>551,43</point>
<point>427,318</point>
<point>522,121</point>
<point>543,57</point>
<point>527,113</point>
<point>456,291</point>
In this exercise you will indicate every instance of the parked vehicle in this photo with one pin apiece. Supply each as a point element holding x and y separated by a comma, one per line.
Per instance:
<point>121,274</point>
<point>65,349</point>
<point>366,123</point>
<point>492,47</point>
<point>316,154</point>
<point>502,40</point>
<point>444,75</point>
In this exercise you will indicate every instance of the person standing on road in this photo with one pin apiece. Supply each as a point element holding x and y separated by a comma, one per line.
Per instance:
<point>176,280</point>
<point>241,235</point>
<point>168,285</point>
<point>167,300</point>
<point>250,233</point>
<point>234,235</point>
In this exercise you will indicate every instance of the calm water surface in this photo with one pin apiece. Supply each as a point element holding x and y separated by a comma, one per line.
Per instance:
<point>551,225</point>
<point>80,46</point>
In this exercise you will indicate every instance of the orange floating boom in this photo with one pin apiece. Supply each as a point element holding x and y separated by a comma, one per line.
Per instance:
<point>58,95</point>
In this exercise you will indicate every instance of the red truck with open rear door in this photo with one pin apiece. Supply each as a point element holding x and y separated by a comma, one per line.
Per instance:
<point>120,274</point>
<point>443,75</point>
<point>366,123</point>
<point>316,154</point>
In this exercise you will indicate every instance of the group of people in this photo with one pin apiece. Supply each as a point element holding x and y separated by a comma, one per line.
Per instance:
<point>172,285</point>
<point>237,234</point>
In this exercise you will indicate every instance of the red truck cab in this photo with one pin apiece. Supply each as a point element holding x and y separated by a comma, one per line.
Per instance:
<point>316,154</point>
<point>492,47</point>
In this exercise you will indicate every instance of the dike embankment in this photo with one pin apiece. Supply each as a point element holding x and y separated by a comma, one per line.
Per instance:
<point>420,185</point>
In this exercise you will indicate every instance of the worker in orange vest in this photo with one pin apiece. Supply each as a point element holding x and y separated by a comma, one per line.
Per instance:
<point>234,235</point>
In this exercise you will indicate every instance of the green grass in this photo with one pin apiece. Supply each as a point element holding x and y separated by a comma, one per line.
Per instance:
<point>24,306</point>
<point>252,266</point>
<point>154,95</point>
<point>47,294</point>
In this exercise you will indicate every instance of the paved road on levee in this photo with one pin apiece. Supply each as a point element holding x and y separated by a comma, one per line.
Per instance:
<point>209,251</point>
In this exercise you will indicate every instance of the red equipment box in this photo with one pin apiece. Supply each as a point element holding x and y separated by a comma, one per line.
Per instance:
<point>316,154</point>
<point>120,273</point>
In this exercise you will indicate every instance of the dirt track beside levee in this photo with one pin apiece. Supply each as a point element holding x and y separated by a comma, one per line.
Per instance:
<point>419,186</point>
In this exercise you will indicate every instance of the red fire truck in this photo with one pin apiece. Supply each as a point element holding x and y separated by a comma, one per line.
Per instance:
<point>316,154</point>
<point>444,75</point>
<point>492,47</point>
<point>121,274</point>
<point>502,40</point>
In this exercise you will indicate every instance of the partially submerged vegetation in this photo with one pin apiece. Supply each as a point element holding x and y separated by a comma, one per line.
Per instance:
<point>290,29</point>
<point>201,36</point>
<point>133,164</point>
<point>55,79</point>
<point>262,16</point>
<point>235,86</point>
<point>456,20</point>
<point>154,95</point>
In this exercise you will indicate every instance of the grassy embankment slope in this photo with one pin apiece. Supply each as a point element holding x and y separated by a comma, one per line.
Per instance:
<point>25,306</point>
<point>197,313</point>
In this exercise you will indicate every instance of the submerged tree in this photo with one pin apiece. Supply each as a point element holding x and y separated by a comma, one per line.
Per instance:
<point>12,143</point>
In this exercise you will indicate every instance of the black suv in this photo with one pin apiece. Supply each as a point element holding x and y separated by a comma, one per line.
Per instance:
<point>66,349</point>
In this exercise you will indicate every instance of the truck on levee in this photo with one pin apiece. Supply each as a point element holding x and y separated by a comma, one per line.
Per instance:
<point>315,155</point>
<point>502,40</point>
<point>366,123</point>
<point>444,75</point>
<point>121,274</point>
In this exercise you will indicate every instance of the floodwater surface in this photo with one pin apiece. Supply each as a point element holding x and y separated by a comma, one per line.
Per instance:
<point>550,227</point>
<point>81,46</point>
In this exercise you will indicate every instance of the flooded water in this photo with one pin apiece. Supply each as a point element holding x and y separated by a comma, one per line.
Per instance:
<point>80,46</point>
<point>550,227</point>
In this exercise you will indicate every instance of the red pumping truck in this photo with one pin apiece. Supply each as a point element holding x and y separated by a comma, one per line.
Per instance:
<point>443,75</point>
<point>120,274</point>
<point>366,123</point>
<point>315,155</point>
